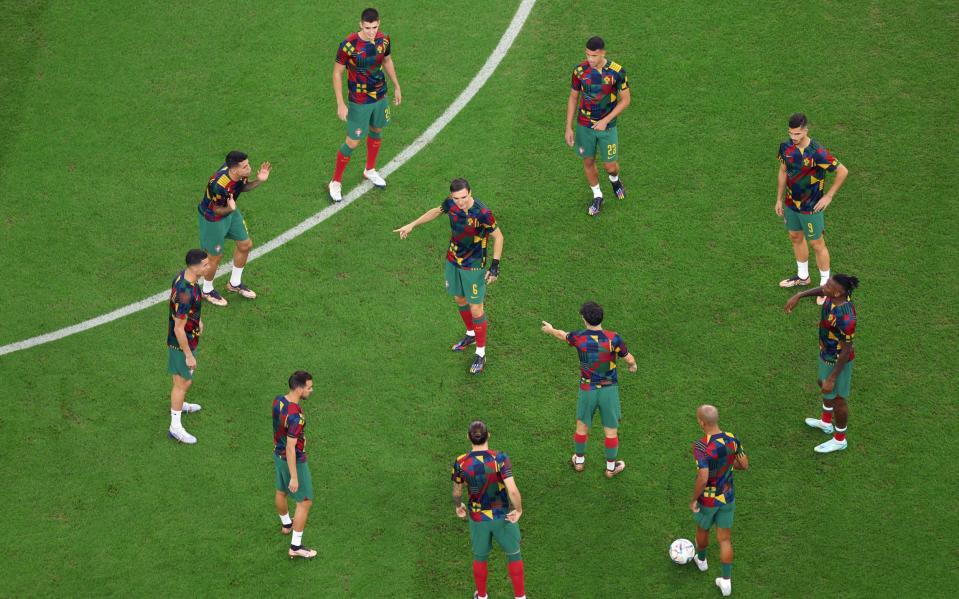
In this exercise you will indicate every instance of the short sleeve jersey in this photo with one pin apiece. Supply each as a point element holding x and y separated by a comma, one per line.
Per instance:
<point>364,66</point>
<point>599,90</point>
<point>484,472</point>
<point>717,453</point>
<point>470,230</point>
<point>597,357</point>
<point>288,421</point>
<point>218,191</point>
<point>837,326</point>
<point>185,302</point>
<point>805,174</point>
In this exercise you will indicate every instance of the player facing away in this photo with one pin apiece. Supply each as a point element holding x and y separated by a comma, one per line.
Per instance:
<point>472,225</point>
<point>220,220</point>
<point>184,328</point>
<point>364,55</point>
<point>803,164</point>
<point>837,326</point>
<point>289,448</point>
<point>600,88</point>
<point>598,384</point>
<point>717,454</point>
<point>488,476</point>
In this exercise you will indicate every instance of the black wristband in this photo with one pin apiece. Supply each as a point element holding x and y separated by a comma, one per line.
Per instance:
<point>494,267</point>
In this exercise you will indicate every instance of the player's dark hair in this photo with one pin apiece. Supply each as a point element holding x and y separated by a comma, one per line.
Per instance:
<point>847,282</point>
<point>478,432</point>
<point>798,120</point>
<point>299,379</point>
<point>459,184</point>
<point>194,257</point>
<point>595,43</point>
<point>234,158</point>
<point>592,313</point>
<point>370,15</point>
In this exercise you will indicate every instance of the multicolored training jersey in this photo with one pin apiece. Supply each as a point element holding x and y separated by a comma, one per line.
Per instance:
<point>218,190</point>
<point>364,66</point>
<point>717,452</point>
<point>597,356</point>
<point>805,173</point>
<point>837,326</point>
<point>598,90</point>
<point>470,233</point>
<point>185,302</point>
<point>288,421</point>
<point>484,472</point>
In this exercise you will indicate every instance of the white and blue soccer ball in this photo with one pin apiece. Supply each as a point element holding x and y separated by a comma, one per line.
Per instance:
<point>682,551</point>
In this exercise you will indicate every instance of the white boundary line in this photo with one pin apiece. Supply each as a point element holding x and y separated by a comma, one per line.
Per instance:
<point>505,42</point>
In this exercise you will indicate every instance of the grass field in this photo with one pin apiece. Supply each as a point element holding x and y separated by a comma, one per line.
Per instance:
<point>112,120</point>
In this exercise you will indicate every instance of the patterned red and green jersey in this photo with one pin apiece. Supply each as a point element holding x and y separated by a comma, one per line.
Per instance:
<point>805,174</point>
<point>364,66</point>
<point>717,453</point>
<point>597,356</point>
<point>837,326</point>
<point>470,230</point>
<point>185,302</point>
<point>599,90</point>
<point>484,472</point>
<point>218,190</point>
<point>288,421</point>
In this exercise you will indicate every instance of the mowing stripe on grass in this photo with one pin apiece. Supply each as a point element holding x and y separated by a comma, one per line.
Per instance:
<point>499,52</point>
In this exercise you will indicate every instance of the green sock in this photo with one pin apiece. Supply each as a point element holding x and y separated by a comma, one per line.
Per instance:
<point>701,555</point>
<point>727,570</point>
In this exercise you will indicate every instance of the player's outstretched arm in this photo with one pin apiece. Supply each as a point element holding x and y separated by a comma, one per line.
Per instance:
<point>570,111</point>
<point>458,504</point>
<point>551,330</point>
<point>621,105</point>
<point>515,499</point>
<point>429,215</point>
<point>261,175</point>
<point>341,110</point>
<point>841,173</point>
<point>791,302</point>
<point>702,477</point>
<point>391,72</point>
<point>781,178</point>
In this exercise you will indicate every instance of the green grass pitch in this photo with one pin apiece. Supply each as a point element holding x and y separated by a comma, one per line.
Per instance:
<point>112,117</point>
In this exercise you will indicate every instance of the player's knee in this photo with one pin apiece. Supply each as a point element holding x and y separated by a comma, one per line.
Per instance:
<point>352,143</point>
<point>476,310</point>
<point>589,162</point>
<point>245,246</point>
<point>797,236</point>
<point>611,167</point>
<point>305,504</point>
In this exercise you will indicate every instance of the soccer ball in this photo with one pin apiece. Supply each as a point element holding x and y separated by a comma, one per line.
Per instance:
<point>681,551</point>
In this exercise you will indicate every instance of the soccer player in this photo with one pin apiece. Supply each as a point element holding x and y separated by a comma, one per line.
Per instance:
<point>288,448</point>
<point>803,163</point>
<point>837,326</point>
<point>489,476</point>
<point>716,455</point>
<point>220,220</point>
<point>365,55</point>
<point>472,225</point>
<point>598,384</point>
<point>601,89</point>
<point>183,336</point>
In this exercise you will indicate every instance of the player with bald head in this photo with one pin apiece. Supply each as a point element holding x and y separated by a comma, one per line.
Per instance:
<point>717,454</point>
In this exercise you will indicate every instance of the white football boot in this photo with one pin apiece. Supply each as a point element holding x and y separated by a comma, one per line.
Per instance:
<point>189,408</point>
<point>701,564</point>
<point>180,434</point>
<point>725,585</point>
<point>336,191</point>
<point>831,446</point>
<point>375,178</point>
<point>817,423</point>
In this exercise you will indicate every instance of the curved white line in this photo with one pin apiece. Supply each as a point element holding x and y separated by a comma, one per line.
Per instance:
<point>505,42</point>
